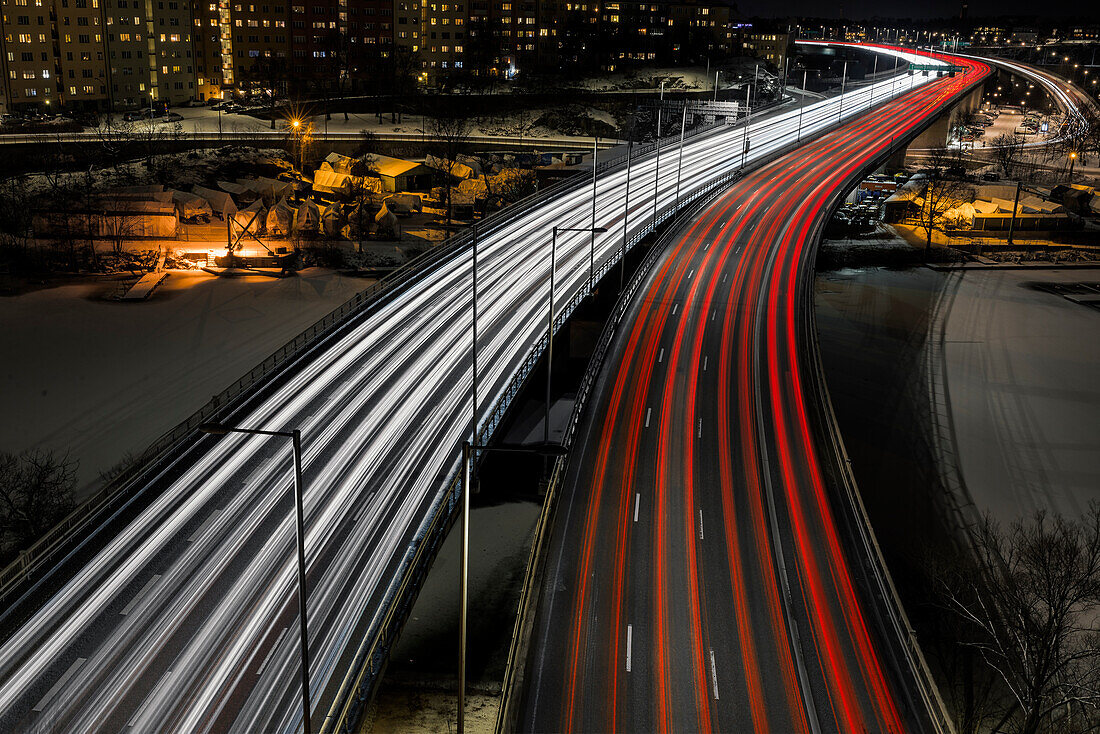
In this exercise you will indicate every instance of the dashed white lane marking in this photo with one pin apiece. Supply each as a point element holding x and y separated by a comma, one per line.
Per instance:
<point>60,683</point>
<point>274,646</point>
<point>202,528</point>
<point>674,307</point>
<point>713,675</point>
<point>629,641</point>
<point>704,364</point>
<point>724,277</point>
<point>700,524</point>
<point>139,596</point>
<point>637,501</point>
<point>691,273</point>
<point>699,429</point>
<point>648,412</point>
<point>661,355</point>
<point>712,314</point>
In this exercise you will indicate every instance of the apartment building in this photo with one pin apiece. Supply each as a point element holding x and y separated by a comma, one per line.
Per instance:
<point>770,47</point>
<point>125,54</point>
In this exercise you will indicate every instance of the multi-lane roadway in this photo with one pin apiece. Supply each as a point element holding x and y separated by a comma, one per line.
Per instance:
<point>186,619</point>
<point>702,571</point>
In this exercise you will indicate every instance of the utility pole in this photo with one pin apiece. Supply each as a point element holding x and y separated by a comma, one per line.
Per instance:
<point>716,85</point>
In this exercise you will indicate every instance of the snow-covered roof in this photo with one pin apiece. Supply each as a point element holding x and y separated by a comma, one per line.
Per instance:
<point>393,167</point>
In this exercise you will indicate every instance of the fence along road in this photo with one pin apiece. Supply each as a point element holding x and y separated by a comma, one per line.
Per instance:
<point>185,620</point>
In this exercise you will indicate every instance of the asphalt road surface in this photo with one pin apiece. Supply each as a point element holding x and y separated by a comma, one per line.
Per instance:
<point>699,574</point>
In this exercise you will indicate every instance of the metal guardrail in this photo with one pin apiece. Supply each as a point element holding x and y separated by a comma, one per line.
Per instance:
<point>121,486</point>
<point>887,593</point>
<point>232,136</point>
<point>369,659</point>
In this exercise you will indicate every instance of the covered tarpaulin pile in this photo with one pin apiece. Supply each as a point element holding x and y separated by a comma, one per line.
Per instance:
<point>191,206</point>
<point>337,163</point>
<point>250,220</point>
<point>456,169</point>
<point>243,194</point>
<point>108,217</point>
<point>331,182</point>
<point>386,221</point>
<point>280,219</point>
<point>333,220</point>
<point>309,216</point>
<point>220,202</point>
<point>403,204</point>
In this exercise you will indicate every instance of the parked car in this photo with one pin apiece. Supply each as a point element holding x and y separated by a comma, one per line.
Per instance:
<point>172,117</point>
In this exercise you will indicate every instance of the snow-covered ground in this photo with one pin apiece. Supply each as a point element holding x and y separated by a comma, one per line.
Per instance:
<point>100,379</point>
<point>1020,366</point>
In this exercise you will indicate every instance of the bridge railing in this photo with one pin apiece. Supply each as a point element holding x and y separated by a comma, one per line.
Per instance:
<point>117,490</point>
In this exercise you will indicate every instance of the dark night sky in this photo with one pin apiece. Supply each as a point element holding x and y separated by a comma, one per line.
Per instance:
<point>1052,10</point>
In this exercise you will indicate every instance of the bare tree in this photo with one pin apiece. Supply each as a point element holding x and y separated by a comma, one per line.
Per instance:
<point>943,192</point>
<point>36,492</point>
<point>365,195</point>
<point>120,225</point>
<point>1028,605</point>
<point>1007,149</point>
<point>449,122</point>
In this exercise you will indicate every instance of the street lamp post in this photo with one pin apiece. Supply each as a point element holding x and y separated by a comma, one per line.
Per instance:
<point>748,122</point>
<point>550,316</point>
<point>468,450</point>
<point>1072,160</point>
<point>657,164</point>
<point>843,78</point>
<point>802,106</point>
<point>592,244</point>
<point>626,214</point>
<point>295,436</point>
<point>679,157</point>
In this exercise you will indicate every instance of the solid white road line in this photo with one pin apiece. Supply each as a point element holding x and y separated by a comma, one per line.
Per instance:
<point>139,596</point>
<point>648,411</point>
<point>637,501</point>
<point>629,640</point>
<point>713,675</point>
<point>60,682</point>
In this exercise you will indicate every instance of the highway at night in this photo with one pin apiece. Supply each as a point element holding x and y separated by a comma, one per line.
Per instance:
<point>185,620</point>
<point>704,571</point>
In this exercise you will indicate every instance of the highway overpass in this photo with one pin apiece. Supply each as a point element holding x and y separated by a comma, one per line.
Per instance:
<point>709,566</point>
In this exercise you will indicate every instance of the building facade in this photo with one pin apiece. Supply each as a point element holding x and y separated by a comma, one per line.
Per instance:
<point>130,54</point>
